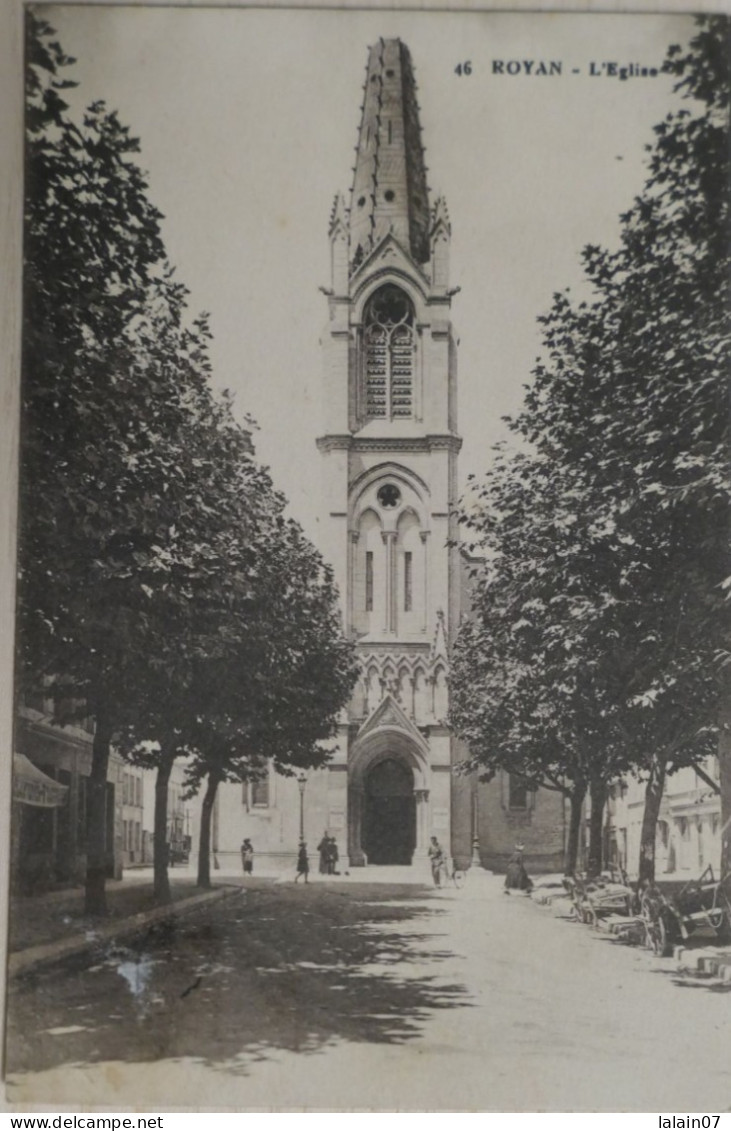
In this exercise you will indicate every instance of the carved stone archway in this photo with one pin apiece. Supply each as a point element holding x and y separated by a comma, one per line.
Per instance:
<point>377,744</point>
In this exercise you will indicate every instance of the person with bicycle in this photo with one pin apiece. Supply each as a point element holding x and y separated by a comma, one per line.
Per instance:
<point>438,861</point>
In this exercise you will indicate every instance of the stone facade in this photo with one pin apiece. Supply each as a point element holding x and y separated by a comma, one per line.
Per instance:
<point>390,478</point>
<point>389,454</point>
<point>688,836</point>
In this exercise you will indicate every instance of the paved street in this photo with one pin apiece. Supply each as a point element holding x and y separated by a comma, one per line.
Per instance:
<point>359,996</point>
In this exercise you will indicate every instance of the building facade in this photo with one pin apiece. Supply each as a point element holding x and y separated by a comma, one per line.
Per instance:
<point>390,478</point>
<point>688,836</point>
<point>389,471</point>
<point>132,816</point>
<point>49,827</point>
<point>389,455</point>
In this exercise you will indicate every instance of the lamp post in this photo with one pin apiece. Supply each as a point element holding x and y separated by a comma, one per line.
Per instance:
<point>302,782</point>
<point>476,862</point>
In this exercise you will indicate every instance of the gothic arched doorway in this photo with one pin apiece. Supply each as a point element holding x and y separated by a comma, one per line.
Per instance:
<point>389,825</point>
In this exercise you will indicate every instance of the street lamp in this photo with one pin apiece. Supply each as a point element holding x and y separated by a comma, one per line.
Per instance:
<point>302,782</point>
<point>476,862</point>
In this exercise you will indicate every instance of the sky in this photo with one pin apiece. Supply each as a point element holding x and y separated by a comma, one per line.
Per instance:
<point>248,120</point>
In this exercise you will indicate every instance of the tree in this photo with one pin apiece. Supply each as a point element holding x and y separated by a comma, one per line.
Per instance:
<point>281,677</point>
<point>646,363</point>
<point>97,287</point>
<point>257,669</point>
<point>158,573</point>
<point>209,559</point>
<point>128,463</point>
<point>528,693</point>
<point>627,409</point>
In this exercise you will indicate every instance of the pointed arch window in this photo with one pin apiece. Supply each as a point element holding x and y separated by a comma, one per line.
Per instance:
<point>389,354</point>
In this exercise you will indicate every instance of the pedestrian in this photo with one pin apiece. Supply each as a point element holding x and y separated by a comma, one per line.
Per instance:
<point>332,858</point>
<point>438,861</point>
<point>303,864</point>
<point>247,857</point>
<point>516,876</point>
<point>324,849</point>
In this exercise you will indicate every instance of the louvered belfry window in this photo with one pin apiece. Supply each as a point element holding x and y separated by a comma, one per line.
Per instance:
<point>389,354</point>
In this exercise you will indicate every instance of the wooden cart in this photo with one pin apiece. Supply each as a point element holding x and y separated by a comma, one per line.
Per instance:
<point>673,912</point>
<point>599,898</point>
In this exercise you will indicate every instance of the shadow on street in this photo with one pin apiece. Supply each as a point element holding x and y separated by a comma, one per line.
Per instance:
<point>275,968</point>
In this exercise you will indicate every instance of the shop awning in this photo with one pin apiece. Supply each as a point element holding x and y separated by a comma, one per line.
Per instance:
<point>32,787</point>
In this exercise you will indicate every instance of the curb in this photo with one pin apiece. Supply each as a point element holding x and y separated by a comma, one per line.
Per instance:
<point>46,954</point>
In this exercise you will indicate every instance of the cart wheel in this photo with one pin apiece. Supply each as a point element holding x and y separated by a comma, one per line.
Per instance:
<point>662,944</point>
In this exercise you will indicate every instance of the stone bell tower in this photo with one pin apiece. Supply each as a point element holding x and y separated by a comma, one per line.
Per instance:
<point>390,472</point>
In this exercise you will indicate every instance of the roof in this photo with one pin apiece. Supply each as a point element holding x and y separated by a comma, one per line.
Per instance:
<point>389,187</point>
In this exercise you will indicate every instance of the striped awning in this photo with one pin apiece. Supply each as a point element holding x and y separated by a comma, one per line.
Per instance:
<point>32,787</point>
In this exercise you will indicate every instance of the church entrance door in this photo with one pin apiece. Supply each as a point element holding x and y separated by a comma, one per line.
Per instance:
<point>389,827</point>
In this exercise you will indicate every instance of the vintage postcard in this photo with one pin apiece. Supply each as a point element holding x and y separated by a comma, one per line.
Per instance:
<point>367,670</point>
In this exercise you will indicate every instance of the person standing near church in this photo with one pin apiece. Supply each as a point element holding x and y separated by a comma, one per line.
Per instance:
<point>324,849</point>
<point>516,876</point>
<point>303,864</point>
<point>332,857</point>
<point>438,861</point>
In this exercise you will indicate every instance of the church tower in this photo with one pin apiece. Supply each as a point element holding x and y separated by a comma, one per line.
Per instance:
<point>390,473</point>
<point>389,456</point>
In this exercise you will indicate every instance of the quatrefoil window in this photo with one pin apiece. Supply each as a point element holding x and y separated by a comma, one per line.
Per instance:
<point>389,495</point>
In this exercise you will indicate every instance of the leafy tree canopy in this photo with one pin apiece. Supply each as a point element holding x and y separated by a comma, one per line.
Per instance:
<point>598,629</point>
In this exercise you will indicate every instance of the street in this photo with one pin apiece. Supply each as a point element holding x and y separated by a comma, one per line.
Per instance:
<point>371,996</point>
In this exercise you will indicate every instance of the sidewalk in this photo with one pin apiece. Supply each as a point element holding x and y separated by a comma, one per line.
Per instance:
<point>48,927</point>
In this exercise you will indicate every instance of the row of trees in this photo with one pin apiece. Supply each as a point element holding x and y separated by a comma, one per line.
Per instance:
<point>598,646</point>
<point>162,589</point>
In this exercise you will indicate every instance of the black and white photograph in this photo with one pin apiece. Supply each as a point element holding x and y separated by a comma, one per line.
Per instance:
<point>371,698</point>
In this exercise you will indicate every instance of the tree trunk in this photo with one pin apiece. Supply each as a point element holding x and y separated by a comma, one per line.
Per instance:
<point>571,855</point>
<point>95,896</point>
<point>161,880</point>
<point>598,794</point>
<point>653,798</point>
<point>204,854</point>
<point>724,761</point>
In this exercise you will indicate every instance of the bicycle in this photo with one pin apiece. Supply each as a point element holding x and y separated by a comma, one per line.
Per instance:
<point>453,874</point>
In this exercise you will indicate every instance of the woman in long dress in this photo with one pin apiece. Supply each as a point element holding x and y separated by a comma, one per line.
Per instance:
<point>303,864</point>
<point>516,876</point>
<point>324,849</point>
